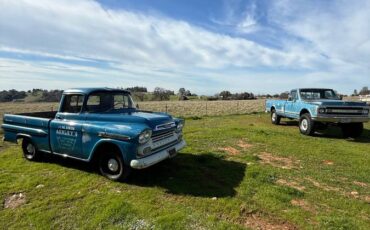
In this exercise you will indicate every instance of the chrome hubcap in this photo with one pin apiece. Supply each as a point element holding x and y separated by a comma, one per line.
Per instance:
<point>30,149</point>
<point>113,165</point>
<point>304,124</point>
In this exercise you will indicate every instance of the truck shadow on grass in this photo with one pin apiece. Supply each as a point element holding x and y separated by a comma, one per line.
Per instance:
<point>204,175</point>
<point>334,132</point>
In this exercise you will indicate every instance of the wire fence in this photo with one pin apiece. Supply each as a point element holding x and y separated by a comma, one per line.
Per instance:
<point>175,108</point>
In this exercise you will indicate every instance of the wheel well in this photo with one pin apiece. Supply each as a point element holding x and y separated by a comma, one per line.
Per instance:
<point>303,111</point>
<point>104,147</point>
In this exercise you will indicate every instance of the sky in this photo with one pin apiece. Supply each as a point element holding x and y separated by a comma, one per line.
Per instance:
<point>206,46</point>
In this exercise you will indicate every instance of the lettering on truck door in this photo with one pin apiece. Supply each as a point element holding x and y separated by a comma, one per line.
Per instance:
<point>66,128</point>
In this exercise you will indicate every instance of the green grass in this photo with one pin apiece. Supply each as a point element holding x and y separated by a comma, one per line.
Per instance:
<point>203,187</point>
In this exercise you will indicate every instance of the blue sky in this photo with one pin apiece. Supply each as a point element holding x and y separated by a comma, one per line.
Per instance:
<point>262,46</point>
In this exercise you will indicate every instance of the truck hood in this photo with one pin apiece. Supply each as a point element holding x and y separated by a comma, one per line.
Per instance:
<point>336,103</point>
<point>144,118</point>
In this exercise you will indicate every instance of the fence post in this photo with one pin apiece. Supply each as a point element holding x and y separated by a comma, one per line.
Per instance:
<point>206,109</point>
<point>166,107</point>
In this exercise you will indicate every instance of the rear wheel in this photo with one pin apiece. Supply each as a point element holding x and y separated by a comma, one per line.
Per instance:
<point>352,130</point>
<point>306,124</point>
<point>30,151</point>
<point>111,165</point>
<point>275,119</point>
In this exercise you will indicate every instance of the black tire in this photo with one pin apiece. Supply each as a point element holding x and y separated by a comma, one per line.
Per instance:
<point>111,166</point>
<point>352,130</point>
<point>30,151</point>
<point>275,119</point>
<point>306,124</point>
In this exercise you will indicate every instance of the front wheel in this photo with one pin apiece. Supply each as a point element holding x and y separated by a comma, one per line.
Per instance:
<point>111,165</point>
<point>352,130</point>
<point>275,119</point>
<point>306,125</point>
<point>30,151</point>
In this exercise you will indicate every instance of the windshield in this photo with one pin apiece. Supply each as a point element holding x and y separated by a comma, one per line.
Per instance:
<point>314,94</point>
<point>109,102</point>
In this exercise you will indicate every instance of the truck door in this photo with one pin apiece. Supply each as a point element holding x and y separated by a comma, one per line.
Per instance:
<point>66,128</point>
<point>290,105</point>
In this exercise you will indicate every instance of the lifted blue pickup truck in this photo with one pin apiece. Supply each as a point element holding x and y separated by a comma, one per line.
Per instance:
<point>98,125</point>
<point>317,108</point>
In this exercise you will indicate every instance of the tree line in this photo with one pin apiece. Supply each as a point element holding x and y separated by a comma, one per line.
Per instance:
<point>39,95</point>
<point>142,94</point>
<point>363,91</point>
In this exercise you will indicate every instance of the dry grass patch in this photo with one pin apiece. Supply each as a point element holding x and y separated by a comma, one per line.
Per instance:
<point>14,201</point>
<point>230,150</point>
<point>327,162</point>
<point>361,184</point>
<point>242,144</point>
<point>322,186</point>
<point>255,221</point>
<point>292,184</point>
<point>303,204</point>
<point>280,162</point>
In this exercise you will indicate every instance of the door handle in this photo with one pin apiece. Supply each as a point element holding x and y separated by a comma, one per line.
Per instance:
<point>58,117</point>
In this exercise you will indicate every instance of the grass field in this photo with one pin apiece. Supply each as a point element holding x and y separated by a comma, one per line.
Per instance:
<point>238,171</point>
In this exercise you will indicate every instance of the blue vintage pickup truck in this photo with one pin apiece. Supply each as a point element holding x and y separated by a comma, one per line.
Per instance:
<point>99,125</point>
<point>317,108</point>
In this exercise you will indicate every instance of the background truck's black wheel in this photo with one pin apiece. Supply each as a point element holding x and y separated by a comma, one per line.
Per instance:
<point>111,165</point>
<point>306,124</point>
<point>352,130</point>
<point>275,119</point>
<point>30,151</point>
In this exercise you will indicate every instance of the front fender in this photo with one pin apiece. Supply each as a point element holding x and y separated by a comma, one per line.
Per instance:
<point>127,149</point>
<point>311,109</point>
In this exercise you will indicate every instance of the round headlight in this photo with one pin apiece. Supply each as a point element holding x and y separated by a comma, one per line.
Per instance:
<point>179,127</point>
<point>321,110</point>
<point>365,111</point>
<point>145,136</point>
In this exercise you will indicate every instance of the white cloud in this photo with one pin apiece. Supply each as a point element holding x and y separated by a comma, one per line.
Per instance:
<point>337,29</point>
<point>154,50</point>
<point>84,29</point>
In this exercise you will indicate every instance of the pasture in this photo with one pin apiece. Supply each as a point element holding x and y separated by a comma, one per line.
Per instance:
<point>238,171</point>
<point>176,108</point>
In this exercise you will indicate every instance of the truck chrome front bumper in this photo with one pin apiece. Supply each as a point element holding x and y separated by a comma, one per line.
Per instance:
<point>156,157</point>
<point>341,119</point>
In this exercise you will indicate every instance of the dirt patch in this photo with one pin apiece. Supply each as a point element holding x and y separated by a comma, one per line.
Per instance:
<point>351,194</point>
<point>302,204</point>
<point>230,150</point>
<point>242,144</point>
<point>323,186</point>
<point>292,184</point>
<point>15,200</point>
<point>255,221</point>
<point>327,162</point>
<point>280,162</point>
<point>361,184</point>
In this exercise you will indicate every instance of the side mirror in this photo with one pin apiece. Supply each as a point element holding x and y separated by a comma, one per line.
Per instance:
<point>289,98</point>
<point>137,106</point>
<point>340,97</point>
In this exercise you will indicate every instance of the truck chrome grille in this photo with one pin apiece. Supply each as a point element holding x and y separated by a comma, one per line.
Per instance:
<point>344,110</point>
<point>162,136</point>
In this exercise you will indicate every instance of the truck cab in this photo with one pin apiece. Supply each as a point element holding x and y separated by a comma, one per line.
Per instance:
<point>98,125</point>
<point>316,108</point>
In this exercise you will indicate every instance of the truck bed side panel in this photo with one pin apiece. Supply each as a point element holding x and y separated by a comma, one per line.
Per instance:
<point>37,129</point>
